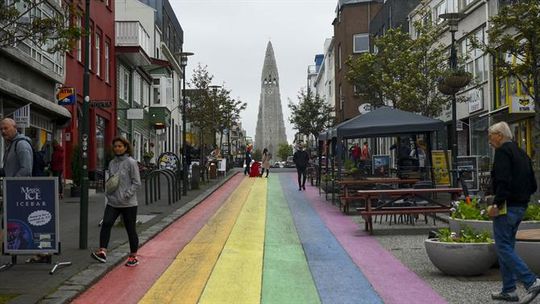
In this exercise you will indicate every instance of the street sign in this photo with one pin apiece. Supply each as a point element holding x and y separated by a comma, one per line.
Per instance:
<point>100,104</point>
<point>22,116</point>
<point>66,96</point>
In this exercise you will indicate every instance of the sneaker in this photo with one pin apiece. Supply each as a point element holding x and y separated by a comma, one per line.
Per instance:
<point>505,296</point>
<point>132,261</point>
<point>100,255</point>
<point>299,188</point>
<point>304,187</point>
<point>532,292</point>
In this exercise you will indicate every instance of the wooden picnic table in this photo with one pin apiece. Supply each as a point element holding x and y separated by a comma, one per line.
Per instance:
<point>370,195</point>
<point>347,196</point>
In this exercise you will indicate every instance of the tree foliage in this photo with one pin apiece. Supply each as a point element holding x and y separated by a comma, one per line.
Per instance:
<point>515,33</point>
<point>404,72</point>
<point>284,151</point>
<point>311,115</point>
<point>26,21</point>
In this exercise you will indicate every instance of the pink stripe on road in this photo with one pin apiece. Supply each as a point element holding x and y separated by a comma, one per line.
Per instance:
<point>392,280</point>
<point>129,284</point>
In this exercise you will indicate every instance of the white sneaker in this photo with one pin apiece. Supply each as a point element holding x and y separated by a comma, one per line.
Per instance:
<point>532,292</point>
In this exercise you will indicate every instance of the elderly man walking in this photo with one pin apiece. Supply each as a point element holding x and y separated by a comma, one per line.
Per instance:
<point>513,183</point>
<point>18,150</point>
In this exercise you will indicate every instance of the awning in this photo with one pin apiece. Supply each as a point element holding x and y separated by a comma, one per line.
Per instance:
<point>61,114</point>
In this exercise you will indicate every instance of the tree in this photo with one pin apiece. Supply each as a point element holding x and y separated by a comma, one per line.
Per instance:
<point>404,72</point>
<point>284,151</point>
<point>311,115</point>
<point>515,33</point>
<point>201,104</point>
<point>40,23</point>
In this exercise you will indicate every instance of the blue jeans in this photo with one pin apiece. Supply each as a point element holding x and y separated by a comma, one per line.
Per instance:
<point>512,267</point>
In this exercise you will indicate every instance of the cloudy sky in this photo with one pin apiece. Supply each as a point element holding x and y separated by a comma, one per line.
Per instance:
<point>230,37</point>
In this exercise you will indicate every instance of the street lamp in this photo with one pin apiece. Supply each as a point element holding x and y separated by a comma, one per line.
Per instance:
<point>214,88</point>
<point>185,166</point>
<point>453,21</point>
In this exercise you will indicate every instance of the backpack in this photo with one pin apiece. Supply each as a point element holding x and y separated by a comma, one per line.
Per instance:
<point>38,159</point>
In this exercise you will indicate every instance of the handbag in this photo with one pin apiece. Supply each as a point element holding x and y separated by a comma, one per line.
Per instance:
<point>112,184</point>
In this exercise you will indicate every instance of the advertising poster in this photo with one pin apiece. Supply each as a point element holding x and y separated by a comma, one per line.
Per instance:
<point>468,168</point>
<point>30,215</point>
<point>381,165</point>
<point>440,169</point>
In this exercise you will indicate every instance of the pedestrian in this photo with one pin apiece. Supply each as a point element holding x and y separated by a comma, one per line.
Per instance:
<point>121,196</point>
<point>266,157</point>
<point>419,154</point>
<point>355,153</point>
<point>57,166</point>
<point>365,158</point>
<point>248,159</point>
<point>18,155</point>
<point>513,182</point>
<point>301,160</point>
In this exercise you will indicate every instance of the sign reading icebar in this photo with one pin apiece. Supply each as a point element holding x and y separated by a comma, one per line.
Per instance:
<point>270,130</point>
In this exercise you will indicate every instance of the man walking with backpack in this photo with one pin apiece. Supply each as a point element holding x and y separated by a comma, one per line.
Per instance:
<point>18,153</point>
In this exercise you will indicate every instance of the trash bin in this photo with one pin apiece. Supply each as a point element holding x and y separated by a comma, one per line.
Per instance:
<point>195,176</point>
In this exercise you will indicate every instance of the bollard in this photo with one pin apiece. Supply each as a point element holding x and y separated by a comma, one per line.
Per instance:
<point>195,176</point>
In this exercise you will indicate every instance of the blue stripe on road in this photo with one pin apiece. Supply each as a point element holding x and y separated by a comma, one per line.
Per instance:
<point>337,278</point>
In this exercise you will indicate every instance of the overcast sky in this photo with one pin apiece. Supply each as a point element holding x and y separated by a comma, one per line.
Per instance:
<point>230,37</point>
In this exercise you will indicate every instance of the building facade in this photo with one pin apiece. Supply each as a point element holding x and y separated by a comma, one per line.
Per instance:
<point>351,37</point>
<point>29,78</point>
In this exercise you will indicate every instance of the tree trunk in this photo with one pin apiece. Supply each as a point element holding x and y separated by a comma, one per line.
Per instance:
<point>536,128</point>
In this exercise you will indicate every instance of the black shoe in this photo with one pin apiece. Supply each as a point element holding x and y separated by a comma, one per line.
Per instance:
<point>505,296</point>
<point>299,188</point>
<point>304,187</point>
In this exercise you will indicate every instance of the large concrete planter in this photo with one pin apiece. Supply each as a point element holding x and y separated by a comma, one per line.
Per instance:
<point>529,253</point>
<point>461,259</point>
<point>485,226</point>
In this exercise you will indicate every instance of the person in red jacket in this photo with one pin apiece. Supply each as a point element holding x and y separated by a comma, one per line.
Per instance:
<point>57,166</point>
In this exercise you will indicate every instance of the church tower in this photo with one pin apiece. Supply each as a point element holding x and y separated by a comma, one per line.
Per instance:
<point>270,127</point>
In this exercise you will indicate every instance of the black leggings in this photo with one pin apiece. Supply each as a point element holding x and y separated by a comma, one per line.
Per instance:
<point>301,176</point>
<point>129,216</point>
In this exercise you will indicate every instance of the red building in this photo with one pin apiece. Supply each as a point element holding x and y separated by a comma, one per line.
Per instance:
<point>102,118</point>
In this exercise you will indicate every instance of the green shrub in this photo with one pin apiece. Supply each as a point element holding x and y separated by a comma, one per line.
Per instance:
<point>532,213</point>
<point>472,211</point>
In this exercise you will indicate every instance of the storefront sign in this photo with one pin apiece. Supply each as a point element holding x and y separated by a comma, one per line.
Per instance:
<point>31,215</point>
<point>135,114</point>
<point>22,116</point>
<point>440,169</point>
<point>66,96</point>
<point>102,104</point>
<point>381,165</point>
<point>522,104</point>
<point>476,100</point>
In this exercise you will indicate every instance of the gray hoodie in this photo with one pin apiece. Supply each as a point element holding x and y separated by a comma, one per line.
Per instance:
<point>18,161</point>
<point>130,180</point>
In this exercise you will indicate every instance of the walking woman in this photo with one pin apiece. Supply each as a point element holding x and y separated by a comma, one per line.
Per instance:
<point>266,157</point>
<point>121,193</point>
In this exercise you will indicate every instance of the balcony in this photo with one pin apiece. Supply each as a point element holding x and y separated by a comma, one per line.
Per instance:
<point>133,43</point>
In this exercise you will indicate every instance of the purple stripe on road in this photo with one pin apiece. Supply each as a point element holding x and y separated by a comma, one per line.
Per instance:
<point>393,281</point>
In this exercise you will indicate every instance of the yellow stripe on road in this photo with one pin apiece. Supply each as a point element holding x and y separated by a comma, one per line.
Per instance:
<point>184,280</point>
<point>237,275</point>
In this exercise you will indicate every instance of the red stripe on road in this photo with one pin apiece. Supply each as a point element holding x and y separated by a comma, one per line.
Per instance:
<point>129,284</point>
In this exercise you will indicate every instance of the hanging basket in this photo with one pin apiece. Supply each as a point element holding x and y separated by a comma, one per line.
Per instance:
<point>445,89</point>
<point>457,81</point>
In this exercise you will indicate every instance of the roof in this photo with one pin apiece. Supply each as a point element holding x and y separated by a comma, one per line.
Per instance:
<point>383,122</point>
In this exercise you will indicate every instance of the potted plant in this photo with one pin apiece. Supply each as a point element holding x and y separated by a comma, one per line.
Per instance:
<point>446,89</point>
<point>326,183</point>
<point>466,254</point>
<point>147,156</point>
<point>474,215</point>
<point>76,171</point>
<point>457,78</point>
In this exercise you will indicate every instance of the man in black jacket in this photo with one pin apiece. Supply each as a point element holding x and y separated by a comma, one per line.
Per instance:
<point>513,183</point>
<point>301,159</point>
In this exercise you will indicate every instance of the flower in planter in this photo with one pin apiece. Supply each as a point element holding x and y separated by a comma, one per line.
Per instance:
<point>477,211</point>
<point>466,235</point>
<point>457,79</point>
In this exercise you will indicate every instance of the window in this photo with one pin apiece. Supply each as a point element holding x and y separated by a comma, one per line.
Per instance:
<point>339,57</point>
<point>146,94</point>
<point>155,90</point>
<point>360,43</point>
<point>98,53</point>
<point>107,62</point>
<point>78,23</point>
<point>136,89</point>
<point>446,6</point>
<point>475,60</point>
<point>123,85</point>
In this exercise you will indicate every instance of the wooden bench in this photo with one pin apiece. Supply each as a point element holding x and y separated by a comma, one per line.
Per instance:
<point>528,235</point>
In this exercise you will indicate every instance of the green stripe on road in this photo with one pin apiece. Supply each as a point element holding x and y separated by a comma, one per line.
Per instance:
<point>286,275</point>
